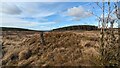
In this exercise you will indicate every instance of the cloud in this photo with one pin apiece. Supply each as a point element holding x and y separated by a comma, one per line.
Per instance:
<point>9,8</point>
<point>17,22</point>
<point>24,15</point>
<point>78,13</point>
<point>36,9</point>
<point>27,9</point>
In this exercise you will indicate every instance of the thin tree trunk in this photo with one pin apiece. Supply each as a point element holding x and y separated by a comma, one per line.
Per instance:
<point>102,33</point>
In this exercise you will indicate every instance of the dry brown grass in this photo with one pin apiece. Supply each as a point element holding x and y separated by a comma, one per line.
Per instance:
<point>69,48</point>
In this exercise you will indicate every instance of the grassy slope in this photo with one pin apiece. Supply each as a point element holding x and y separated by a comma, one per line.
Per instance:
<point>68,48</point>
<point>62,48</point>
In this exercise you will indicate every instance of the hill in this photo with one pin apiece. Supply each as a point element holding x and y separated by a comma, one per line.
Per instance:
<point>14,29</point>
<point>77,27</point>
<point>61,48</point>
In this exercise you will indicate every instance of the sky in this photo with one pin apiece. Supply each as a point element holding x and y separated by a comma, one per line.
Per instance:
<point>48,15</point>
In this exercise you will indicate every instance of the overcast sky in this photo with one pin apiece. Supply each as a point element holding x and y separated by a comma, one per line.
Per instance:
<point>48,15</point>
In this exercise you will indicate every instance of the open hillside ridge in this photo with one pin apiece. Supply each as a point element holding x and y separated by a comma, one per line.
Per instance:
<point>68,48</point>
<point>77,27</point>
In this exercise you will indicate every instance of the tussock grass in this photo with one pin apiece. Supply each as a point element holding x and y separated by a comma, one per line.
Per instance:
<point>67,48</point>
